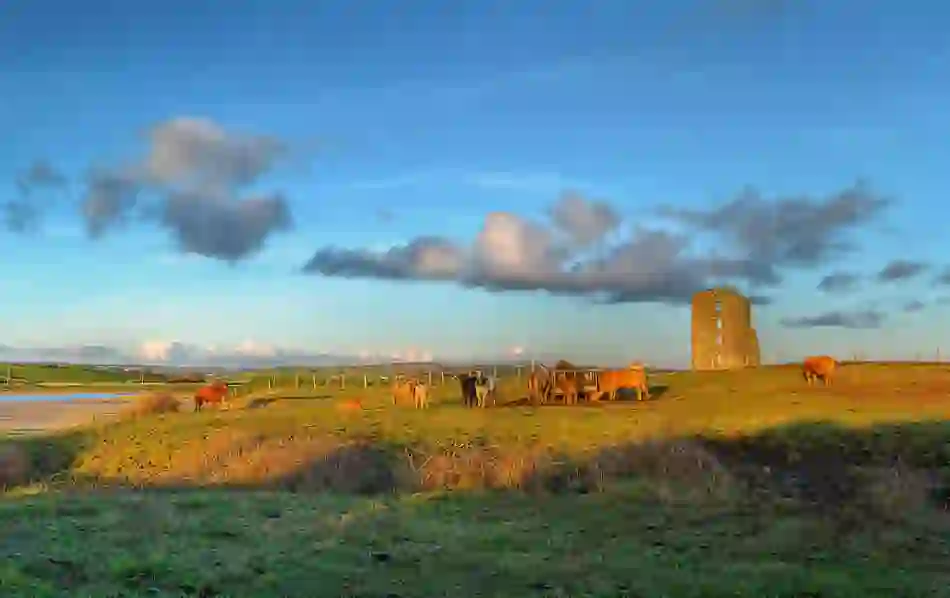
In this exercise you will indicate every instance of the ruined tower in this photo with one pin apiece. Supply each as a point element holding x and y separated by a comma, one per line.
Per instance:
<point>722,332</point>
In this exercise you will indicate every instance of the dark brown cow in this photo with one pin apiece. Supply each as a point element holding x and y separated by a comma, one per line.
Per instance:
<point>610,381</point>
<point>216,392</point>
<point>819,366</point>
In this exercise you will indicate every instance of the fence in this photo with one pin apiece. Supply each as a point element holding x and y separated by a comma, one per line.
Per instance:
<point>433,377</point>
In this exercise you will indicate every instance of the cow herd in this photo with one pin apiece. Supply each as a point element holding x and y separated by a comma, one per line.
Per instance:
<point>544,384</point>
<point>479,390</point>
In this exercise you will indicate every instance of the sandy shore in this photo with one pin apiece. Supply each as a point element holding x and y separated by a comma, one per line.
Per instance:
<point>46,415</point>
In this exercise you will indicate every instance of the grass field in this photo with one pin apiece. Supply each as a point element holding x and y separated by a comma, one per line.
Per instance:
<point>726,484</point>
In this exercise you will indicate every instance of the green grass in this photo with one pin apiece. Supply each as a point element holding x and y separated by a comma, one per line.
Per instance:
<point>728,484</point>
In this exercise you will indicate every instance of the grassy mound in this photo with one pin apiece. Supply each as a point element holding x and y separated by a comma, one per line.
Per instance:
<point>727,484</point>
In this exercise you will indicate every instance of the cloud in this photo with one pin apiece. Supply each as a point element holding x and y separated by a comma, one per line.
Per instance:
<point>839,282</point>
<point>914,306</point>
<point>796,231</point>
<point>943,278</point>
<point>867,318</point>
<point>585,250</point>
<point>110,198</point>
<point>900,270</point>
<point>385,215</point>
<point>196,171</point>
<point>582,220</point>
<point>23,213</point>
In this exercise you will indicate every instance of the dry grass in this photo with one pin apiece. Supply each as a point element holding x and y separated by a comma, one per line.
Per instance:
<point>153,403</point>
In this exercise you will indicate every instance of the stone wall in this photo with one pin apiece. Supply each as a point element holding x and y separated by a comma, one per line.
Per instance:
<point>705,331</point>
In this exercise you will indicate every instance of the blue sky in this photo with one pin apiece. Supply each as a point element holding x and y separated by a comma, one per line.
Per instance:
<point>402,122</point>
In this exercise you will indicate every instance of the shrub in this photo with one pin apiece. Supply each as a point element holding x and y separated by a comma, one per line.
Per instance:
<point>14,465</point>
<point>153,404</point>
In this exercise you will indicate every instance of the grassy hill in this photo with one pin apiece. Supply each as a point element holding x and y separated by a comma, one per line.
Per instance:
<point>726,484</point>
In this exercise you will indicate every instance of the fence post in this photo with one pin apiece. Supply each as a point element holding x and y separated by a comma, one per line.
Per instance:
<point>429,374</point>
<point>365,381</point>
<point>313,380</point>
<point>270,383</point>
<point>296,380</point>
<point>342,381</point>
<point>494,372</point>
<point>442,377</point>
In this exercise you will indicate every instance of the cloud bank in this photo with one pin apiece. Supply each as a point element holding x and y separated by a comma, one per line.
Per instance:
<point>586,249</point>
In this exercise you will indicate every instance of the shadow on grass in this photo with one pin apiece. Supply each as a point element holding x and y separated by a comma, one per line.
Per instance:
<point>38,458</point>
<point>885,469</point>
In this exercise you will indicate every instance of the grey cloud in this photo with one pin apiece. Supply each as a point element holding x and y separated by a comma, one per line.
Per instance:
<point>222,228</point>
<point>582,220</point>
<point>839,282</point>
<point>189,183</point>
<point>943,278</point>
<point>24,212</point>
<point>914,306</point>
<point>799,231</point>
<point>900,270</point>
<point>41,174</point>
<point>511,253</point>
<point>385,215</point>
<point>108,201</point>
<point>20,216</point>
<point>424,258</point>
<point>867,318</point>
<point>197,154</point>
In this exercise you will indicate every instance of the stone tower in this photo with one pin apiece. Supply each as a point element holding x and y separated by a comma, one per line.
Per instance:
<point>722,335</point>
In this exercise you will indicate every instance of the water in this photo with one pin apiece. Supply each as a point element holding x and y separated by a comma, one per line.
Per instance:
<point>72,396</point>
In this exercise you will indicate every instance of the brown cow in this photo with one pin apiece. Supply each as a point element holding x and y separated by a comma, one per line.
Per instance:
<point>420,395</point>
<point>539,385</point>
<point>820,366</point>
<point>570,387</point>
<point>216,392</point>
<point>412,392</point>
<point>403,390</point>
<point>610,381</point>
